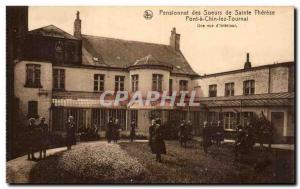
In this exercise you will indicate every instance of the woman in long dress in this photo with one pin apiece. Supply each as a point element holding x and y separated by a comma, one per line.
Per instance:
<point>156,141</point>
<point>109,130</point>
<point>71,131</point>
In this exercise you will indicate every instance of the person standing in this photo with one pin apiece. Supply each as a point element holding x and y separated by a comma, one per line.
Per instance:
<point>219,133</point>
<point>158,146</point>
<point>116,130</point>
<point>182,135</point>
<point>71,131</point>
<point>109,130</point>
<point>44,137</point>
<point>189,128</point>
<point>132,130</point>
<point>30,141</point>
<point>151,133</point>
<point>206,137</point>
<point>268,133</point>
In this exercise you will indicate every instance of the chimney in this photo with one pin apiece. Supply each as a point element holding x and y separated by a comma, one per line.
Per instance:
<point>175,40</point>
<point>77,26</point>
<point>247,63</point>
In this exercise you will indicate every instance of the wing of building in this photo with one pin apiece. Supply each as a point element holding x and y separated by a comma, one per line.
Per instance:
<point>61,74</point>
<point>240,96</point>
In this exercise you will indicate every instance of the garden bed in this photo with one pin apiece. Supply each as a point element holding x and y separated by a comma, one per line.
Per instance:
<point>92,162</point>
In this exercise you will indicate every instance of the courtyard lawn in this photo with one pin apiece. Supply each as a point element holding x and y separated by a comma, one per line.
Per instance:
<point>99,162</point>
<point>192,165</point>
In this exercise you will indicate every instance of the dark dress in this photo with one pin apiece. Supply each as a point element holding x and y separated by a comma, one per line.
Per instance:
<point>44,136</point>
<point>116,132</point>
<point>71,130</point>
<point>109,131</point>
<point>206,138</point>
<point>37,138</point>
<point>183,134</point>
<point>151,135</point>
<point>157,143</point>
<point>132,131</point>
<point>30,138</point>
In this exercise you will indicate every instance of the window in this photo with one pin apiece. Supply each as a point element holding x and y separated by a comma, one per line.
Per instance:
<point>212,90</point>
<point>212,116</point>
<point>249,87</point>
<point>247,116</point>
<point>229,89</point>
<point>32,109</point>
<point>134,116</point>
<point>58,79</point>
<point>170,86</point>
<point>157,82</point>
<point>134,83</point>
<point>183,85</point>
<point>99,82</point>
<point>229,120</point>
<point>33,75</point>
<point>119,83</point>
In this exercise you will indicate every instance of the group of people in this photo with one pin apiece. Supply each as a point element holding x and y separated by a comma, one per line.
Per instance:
<point>212,133</point>
<point>37,138</point>
<point>113,130</point>
<point>38,135</point>
<point>261,132</point>
<point>89,133</point>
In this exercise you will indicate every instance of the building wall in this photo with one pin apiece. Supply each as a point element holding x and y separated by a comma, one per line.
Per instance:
<point>176,80</point>
<point>145,79</point>
<point>278,82</point>
<point>279,79</point>
<point>288,122</point>
<point>82,79</point>
<point>26,94</point>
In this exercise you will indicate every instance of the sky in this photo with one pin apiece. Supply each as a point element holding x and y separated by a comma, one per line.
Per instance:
<point>268,39</point>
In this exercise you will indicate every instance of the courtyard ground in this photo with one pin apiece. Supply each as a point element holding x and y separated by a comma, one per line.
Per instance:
<point>180,165</point>
<point>192,165</point>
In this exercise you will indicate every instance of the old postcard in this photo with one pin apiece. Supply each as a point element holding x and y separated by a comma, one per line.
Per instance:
<point>110,95</point>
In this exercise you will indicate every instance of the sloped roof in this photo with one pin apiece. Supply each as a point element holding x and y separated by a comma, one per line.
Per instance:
<point>252,97</point>
<point>269,99</point>
<point>52,31</point>
<point>235,103</point>
<point>149,60</point>
<point>123,53</point>
<point>118,53</point>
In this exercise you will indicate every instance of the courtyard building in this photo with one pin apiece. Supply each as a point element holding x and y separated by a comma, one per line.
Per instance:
<point>240,96</point>
<point>60,74</point>
<point>63,74</point>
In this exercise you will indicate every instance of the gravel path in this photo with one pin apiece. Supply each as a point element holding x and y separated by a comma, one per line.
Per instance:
<point>18,170</point>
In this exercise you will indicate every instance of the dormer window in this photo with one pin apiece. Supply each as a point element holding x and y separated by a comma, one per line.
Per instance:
<point>183,85</point>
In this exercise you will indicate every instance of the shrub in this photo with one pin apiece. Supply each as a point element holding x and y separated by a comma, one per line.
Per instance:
<point>102,162</point>
<point>138,135</point>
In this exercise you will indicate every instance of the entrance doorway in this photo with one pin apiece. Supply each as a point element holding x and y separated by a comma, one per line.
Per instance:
<point>277,119</point>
